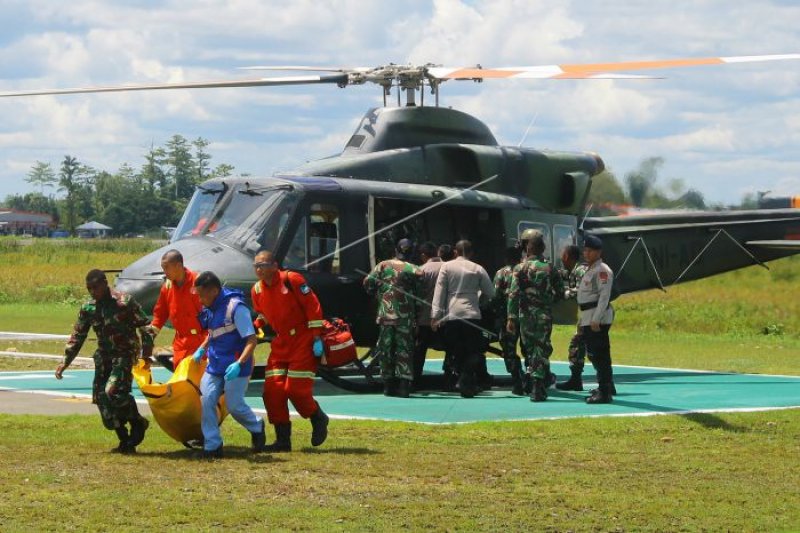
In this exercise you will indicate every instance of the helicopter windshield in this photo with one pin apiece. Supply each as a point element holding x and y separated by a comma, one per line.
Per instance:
<point>198,213</point>
<point>252,219</point>
<point>247,219</point>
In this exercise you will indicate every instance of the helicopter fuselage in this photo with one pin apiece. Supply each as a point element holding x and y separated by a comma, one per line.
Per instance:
<point>335,218</point>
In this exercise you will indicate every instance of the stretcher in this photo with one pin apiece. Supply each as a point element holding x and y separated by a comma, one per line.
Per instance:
<point>176,404</point>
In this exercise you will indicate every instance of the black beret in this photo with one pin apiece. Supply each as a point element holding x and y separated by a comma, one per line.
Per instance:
<point>593,242</point>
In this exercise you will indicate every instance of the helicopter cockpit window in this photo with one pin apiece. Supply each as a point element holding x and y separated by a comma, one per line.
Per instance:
<point>356,141</point>
<point>315,246</point>
<point>545,229</point>
<point>563,236</point>
<point>250,219</point>
<point>198,213</point>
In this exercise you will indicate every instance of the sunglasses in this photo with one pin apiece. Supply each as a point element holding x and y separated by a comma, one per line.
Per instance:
<point>264,264</point>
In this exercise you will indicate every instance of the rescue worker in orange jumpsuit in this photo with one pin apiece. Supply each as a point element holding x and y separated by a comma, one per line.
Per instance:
<point>284,301</point>
<point>179,303</point>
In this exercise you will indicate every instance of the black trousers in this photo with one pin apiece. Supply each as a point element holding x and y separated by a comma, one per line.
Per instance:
<point>464,341</point>
<point>426,339</point>
<point>598,348</point>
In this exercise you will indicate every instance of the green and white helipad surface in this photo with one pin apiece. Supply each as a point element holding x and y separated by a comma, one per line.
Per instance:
<point>641,391</point>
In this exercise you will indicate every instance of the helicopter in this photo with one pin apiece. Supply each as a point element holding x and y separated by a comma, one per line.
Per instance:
<point>431,173</point>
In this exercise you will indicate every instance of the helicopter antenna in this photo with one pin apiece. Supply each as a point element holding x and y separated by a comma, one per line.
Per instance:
<point>528,129</point>
<point>586,214</point>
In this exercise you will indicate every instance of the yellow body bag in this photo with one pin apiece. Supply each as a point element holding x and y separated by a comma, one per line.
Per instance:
<point>176,403</point>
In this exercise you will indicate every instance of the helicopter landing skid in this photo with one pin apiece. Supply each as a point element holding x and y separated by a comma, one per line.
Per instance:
<point>363,375</point>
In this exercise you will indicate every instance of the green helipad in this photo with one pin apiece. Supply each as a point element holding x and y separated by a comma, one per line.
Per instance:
<point>641,391</point>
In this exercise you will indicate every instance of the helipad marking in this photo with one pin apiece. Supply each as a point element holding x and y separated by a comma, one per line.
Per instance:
<point>643,391</point>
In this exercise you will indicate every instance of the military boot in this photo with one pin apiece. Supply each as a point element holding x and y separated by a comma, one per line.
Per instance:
<point>539,392</point>
<point>449,381</point>
<point>389,387</point>
<point>517,388</point>
<point>124,441</point>
<point>283,439</point>
<point>138,427</point>
<point>403,389</point>
<point>259,440</point>
<point>527,382</point>
<point>575,382</point>
<point>601,394</point>
<point>319,425</point>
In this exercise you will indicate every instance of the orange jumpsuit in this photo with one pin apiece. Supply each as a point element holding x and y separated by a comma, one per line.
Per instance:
<point>294,313</point>
<point>181,306</point>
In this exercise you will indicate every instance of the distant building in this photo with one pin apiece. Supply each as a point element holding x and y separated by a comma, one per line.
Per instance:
<point>92,229</point>
<point>13,222</point>
<point>780,202</point>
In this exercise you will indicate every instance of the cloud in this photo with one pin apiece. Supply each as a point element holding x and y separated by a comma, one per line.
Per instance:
<point>715,126</point>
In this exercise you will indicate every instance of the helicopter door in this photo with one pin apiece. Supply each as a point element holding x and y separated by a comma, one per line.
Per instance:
<point>393,219</point>
<point>319,250</point>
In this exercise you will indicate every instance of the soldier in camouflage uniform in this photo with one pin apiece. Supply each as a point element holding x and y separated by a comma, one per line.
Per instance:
<point>573,271</point>
<point>395,282</point>
<point>508,340</point>
<point>535,285</point>
<point>115,318</point>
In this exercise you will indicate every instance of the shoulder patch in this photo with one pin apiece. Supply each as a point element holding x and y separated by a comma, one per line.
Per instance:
<point>603,276</point>
<point>305,289</point>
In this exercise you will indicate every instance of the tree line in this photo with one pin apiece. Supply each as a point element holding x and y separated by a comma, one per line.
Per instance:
<point>129,200</point>
<point>641,188</point>
<point>134,200</point>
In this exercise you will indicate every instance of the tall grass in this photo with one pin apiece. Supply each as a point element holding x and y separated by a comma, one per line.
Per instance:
<point>749,302</point>
<point>52,271</point>
<point>746,302</point>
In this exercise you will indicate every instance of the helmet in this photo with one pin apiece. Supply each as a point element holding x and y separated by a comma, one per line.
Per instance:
<point>405,249</point>
<point>529,234</point>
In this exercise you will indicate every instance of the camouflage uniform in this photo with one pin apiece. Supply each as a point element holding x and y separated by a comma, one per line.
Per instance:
<point>115,320</point>
<point>577,348</point>
<point>508,341</point>
<point>535,285</point>
<point>395,282</point>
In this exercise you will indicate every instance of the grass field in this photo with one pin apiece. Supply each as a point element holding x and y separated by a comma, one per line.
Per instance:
<point>732,472</point>
<point>703,472</point>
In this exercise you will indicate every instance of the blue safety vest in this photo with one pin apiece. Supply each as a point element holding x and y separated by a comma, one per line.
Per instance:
<point>225,345</point>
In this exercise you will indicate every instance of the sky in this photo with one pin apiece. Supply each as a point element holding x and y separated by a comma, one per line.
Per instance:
<point>724,130</point>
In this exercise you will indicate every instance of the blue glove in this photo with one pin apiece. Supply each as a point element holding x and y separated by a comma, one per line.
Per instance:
<point>233,371</point>
<point>198,354</point>
<point>317,347</point>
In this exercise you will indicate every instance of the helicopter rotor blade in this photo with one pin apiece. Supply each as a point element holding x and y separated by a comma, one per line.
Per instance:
<point>306,68</point>
<point>591,70</point>
<point>258,82</point>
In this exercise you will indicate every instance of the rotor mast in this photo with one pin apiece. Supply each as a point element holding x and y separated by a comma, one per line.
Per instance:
<point>404,78</point>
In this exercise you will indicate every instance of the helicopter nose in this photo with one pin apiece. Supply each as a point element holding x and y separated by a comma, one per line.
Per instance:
<point>143,279</point>
<point>144,291</point>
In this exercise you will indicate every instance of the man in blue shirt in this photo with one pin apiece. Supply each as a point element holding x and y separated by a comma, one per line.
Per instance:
<point>229,348</point>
